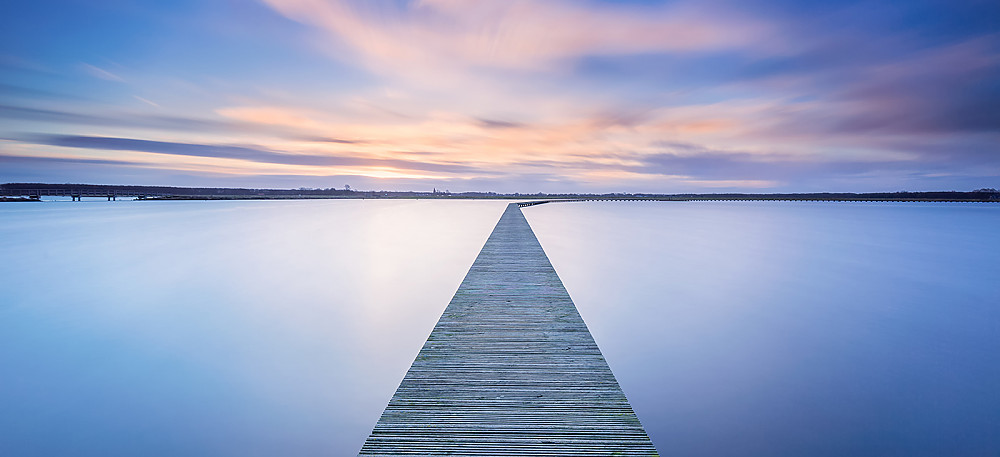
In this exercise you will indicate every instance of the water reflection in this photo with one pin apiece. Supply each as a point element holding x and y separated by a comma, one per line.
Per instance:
<point>283,327</point>
<point>218,328</point>
<point>787,329</point>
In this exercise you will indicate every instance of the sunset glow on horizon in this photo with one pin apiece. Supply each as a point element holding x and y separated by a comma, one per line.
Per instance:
<point>503,95</point>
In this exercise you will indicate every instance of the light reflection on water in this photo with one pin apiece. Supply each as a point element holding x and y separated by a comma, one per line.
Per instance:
<point>283,327</point>
<point>218,328</point>
<point>788,329</point>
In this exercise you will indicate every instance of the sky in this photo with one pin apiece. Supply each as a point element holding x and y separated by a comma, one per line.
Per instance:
<point>503,95</point>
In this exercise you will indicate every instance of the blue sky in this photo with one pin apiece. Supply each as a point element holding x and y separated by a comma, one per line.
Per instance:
<point>503,95</point>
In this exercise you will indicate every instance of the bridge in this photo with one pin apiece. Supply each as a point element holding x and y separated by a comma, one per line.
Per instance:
<point>510,369</point>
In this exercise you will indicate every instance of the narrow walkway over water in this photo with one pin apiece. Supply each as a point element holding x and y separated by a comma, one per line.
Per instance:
<point>510,369</point>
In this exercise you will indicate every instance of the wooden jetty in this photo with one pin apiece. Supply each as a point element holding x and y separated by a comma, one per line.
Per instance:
<point>510,369</point>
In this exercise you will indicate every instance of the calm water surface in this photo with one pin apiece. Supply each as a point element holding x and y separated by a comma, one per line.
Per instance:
<point>793,329</point>
<point>267,328</point>
<point>283,327</point>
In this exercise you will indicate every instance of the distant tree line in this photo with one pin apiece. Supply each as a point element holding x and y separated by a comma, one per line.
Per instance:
<point>24,189</point>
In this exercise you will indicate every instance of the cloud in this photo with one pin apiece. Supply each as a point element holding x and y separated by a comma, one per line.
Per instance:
<point>498,124</point>
<point>278,116</point>
<point>100,73</point>
<point>121,120</point>
<point>426,35</point>
<point>17,159</point>
<point>146,101</point>
<point>702,165</point>
<point>324,139</point>
<point>867,85</point>
<point>31,93</point>
<point>245,153</point>
<point>166,123</point>
<point>953,88</point>
<point>569,93</point>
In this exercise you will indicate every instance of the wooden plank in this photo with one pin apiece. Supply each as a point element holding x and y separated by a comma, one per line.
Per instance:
<point>509,369</point>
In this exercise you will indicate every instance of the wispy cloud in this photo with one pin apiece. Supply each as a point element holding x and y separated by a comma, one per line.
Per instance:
<point>425,35</point>
<point>128,120</point>
<point>244,153</point>
<point>568,95</point>
<point>100,73</point>
<point>146,101</point>
<point>33,160</point>
<point>125,120</point>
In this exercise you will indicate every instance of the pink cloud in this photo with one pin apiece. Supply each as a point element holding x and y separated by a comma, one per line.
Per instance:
<point>511,34</point>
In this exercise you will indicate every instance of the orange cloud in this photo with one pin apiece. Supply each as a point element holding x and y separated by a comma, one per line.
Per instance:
<point>277,116</point>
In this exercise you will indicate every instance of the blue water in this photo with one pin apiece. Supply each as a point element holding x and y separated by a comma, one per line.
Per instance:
<point>793,329</point>
<point>283,327</point>
<point>268,328</point>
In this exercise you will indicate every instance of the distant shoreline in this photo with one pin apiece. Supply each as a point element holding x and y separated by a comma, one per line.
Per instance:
<point>21,192</point>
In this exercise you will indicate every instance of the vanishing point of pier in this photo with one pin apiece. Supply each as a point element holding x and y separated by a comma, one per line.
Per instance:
<point>509,369</point>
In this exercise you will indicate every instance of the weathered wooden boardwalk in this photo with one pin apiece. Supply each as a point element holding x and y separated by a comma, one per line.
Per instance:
<point>510,369</point>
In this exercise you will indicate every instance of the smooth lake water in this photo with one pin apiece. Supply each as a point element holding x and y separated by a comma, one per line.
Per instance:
<point>273,328</point>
